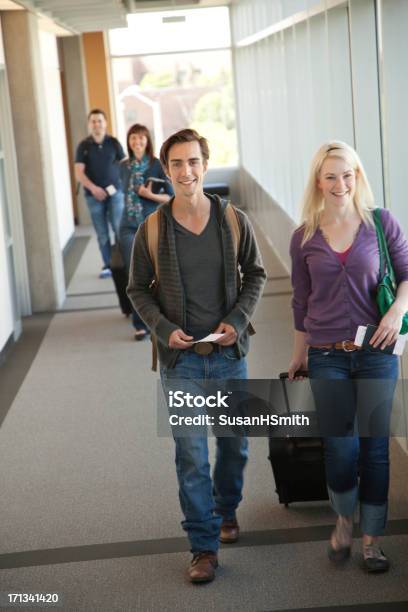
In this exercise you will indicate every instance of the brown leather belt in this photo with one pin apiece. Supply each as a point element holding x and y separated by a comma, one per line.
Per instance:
<point>345,345</point>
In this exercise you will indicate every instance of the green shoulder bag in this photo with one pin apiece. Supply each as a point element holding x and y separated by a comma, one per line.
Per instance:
<point>387,287</point>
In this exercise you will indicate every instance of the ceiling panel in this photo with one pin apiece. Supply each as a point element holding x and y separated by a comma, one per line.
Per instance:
<point>82,15</point>
<point>95,15</point>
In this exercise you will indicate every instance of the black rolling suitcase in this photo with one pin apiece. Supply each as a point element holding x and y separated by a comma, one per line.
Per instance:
<point>120,279</point>
<point>297,464</point>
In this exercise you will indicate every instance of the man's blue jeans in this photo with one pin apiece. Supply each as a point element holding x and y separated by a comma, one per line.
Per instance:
<point>205,503</point>
<point>102,213</point>
<point>357,468</point>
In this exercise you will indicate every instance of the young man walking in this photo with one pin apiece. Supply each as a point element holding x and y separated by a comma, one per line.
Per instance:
<point>97,169</point>
<point>197,294</point>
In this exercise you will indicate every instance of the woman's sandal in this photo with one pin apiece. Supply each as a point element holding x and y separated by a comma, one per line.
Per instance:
<point>342,534</point>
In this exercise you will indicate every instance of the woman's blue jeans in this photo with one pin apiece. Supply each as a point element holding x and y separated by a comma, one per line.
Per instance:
<point>127,233</point>
<point>205,502</point>
<point>357,467</point>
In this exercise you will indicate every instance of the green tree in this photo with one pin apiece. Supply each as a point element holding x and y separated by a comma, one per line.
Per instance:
<point>157,80</point>
<point>219,79</point>
<point>216,106</point>
<point>223,142</point>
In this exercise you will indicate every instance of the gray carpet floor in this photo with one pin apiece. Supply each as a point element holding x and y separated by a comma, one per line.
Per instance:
<point>89,504</point>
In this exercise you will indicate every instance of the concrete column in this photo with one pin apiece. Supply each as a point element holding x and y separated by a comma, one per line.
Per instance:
<point>72,63</point>
<point>44,256</point>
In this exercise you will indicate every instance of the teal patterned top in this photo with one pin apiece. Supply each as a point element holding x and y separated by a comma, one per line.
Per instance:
<point>134,207</point>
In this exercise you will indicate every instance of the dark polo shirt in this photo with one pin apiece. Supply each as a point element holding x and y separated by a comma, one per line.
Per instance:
<point>101,161</point>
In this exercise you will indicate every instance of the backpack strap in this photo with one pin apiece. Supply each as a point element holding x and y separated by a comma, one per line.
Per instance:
<point>234,225</point>
<point>231,216</point>
<point>152,229</point>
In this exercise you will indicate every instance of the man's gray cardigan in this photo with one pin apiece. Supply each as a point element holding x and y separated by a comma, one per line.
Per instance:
<point>163,311</point>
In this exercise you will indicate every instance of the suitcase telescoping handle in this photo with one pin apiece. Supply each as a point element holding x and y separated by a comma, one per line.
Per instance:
<point>303,373</point>
<point>299,443</point>
<point>283,377</point>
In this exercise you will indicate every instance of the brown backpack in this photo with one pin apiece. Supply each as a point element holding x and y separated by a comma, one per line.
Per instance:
<point>152,229</point>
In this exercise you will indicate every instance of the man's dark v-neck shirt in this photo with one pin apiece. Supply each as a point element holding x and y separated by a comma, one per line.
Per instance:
<point>201,267</point>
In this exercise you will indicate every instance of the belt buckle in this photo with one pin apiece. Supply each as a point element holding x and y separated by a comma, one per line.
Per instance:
<point>347,350</point>
<point>203,348</point>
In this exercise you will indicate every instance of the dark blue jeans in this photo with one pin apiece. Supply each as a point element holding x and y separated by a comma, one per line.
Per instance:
<point>127,233</point>
<point>204,502</point>
<point>103,213</point>
<point>357,467</point>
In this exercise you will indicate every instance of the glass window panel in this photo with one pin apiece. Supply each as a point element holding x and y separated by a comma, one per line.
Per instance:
<point>170,92</point>
<point>3,200</point>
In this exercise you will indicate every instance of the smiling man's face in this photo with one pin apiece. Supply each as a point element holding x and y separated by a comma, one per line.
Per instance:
<point>97,125</point>
<point>186,168</point>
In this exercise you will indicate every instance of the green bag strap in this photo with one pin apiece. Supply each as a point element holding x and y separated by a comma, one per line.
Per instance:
<point>385,260</point>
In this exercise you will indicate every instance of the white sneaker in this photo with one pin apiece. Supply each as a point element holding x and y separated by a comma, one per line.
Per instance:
<point>105,273</point>
<point>375,560</point>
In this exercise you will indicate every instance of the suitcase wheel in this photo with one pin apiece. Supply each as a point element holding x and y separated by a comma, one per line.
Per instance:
<point>283,493</point>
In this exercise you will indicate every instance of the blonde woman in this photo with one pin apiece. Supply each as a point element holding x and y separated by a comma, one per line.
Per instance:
<point>335,273</point>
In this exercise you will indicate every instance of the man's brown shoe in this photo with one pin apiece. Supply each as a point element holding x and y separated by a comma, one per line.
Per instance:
<point>203,566</point>
<point>229,531</point>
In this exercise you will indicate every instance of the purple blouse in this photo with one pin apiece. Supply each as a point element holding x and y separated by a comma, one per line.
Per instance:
<point>343,255</point>
<point>330,300</point>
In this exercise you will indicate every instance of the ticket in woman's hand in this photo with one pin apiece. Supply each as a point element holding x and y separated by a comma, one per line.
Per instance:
<point>365,333</point>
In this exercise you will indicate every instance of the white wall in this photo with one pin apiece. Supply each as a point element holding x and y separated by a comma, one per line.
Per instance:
<point>250,16</point>
<point>6,304</point>
<point>309,81</point>
<point>57,136</point>
<point>394,24</point>
<point>365,87</point>
<point>312,74</point>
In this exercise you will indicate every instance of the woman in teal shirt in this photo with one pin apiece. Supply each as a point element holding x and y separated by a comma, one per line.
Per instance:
<point>145,187</point>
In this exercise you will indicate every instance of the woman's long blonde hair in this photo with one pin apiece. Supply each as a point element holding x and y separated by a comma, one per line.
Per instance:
<point>313,202</point>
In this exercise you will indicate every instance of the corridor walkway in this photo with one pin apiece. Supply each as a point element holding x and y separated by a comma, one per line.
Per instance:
<point>89,505</point>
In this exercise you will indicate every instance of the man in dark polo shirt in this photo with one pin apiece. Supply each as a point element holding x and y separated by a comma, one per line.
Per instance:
<point>197,294</point>
<point>97,169</point>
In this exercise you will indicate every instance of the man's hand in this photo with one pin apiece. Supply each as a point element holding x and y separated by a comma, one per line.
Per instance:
<point>179,340</point>
<point>99,193</point>
<point>230,335</point>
